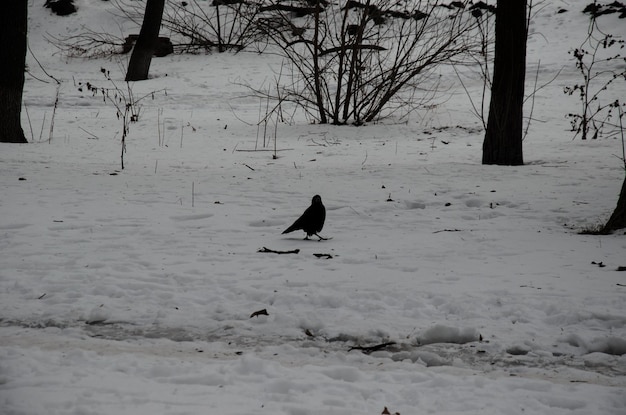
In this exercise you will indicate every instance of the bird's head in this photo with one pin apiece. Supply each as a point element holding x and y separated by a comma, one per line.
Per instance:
<point>316,199</point>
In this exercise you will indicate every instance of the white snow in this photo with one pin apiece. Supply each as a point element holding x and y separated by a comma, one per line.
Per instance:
<point>130,292</point>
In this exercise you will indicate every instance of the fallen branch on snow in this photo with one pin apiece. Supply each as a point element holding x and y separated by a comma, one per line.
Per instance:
<point>260,313</point>
<point>271,251</point>
<point>370,349</point>
<point>449,230</point>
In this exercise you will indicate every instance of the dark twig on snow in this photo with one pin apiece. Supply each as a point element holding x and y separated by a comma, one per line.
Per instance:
<point>370,349</point>
<point>259,313</point>
<point>271,251</point>
<point>449,230</point>
<point>97,322</point>
<point>327,256</point>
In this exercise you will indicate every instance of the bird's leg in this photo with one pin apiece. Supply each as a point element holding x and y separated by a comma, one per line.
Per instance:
<point>321,238</point>
<point>306,238</point>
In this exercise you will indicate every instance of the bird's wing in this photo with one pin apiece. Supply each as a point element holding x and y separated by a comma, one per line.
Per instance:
<point>322,218</point>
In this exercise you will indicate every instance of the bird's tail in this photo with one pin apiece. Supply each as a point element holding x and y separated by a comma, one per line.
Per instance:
<point>290,229</point>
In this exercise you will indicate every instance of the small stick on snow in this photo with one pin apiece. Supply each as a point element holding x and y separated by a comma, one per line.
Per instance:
<point>370,349</point>
<point>271,251</point>
<point>449,230</point>
<point>260,313</point>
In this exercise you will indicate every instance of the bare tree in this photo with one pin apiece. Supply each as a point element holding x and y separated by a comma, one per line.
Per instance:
<point>503,138</point>
<point>600,62</point>
<point>143,51</point>
<point>13,34</point>
<point>618,218</point>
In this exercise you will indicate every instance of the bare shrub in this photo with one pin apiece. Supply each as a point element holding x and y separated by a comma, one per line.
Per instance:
<point>357,62</point>
<point>88,44</point>
<point>600,64</point>
<point>123,99</point>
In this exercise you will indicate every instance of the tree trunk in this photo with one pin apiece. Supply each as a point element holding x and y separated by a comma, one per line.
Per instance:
<point>13,30</point>
<point>146,44</point>
<point>317,75</point>
<point>618,218</point>
<point>503,138</point>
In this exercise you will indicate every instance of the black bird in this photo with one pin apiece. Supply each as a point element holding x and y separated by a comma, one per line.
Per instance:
<point>312,220</point>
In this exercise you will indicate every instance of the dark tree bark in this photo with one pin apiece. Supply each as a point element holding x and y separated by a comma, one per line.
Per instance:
<point>146,44</point>
<point>618,218</point>
<point>503,139</point>
<point>13,30</point>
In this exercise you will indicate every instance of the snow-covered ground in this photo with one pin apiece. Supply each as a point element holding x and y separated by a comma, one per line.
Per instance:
<point>131,292</point>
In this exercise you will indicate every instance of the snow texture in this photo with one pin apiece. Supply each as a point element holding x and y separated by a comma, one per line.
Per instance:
<point>449,287</point>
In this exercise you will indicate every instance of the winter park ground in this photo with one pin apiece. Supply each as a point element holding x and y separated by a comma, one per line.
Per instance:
<point>131,291</point>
